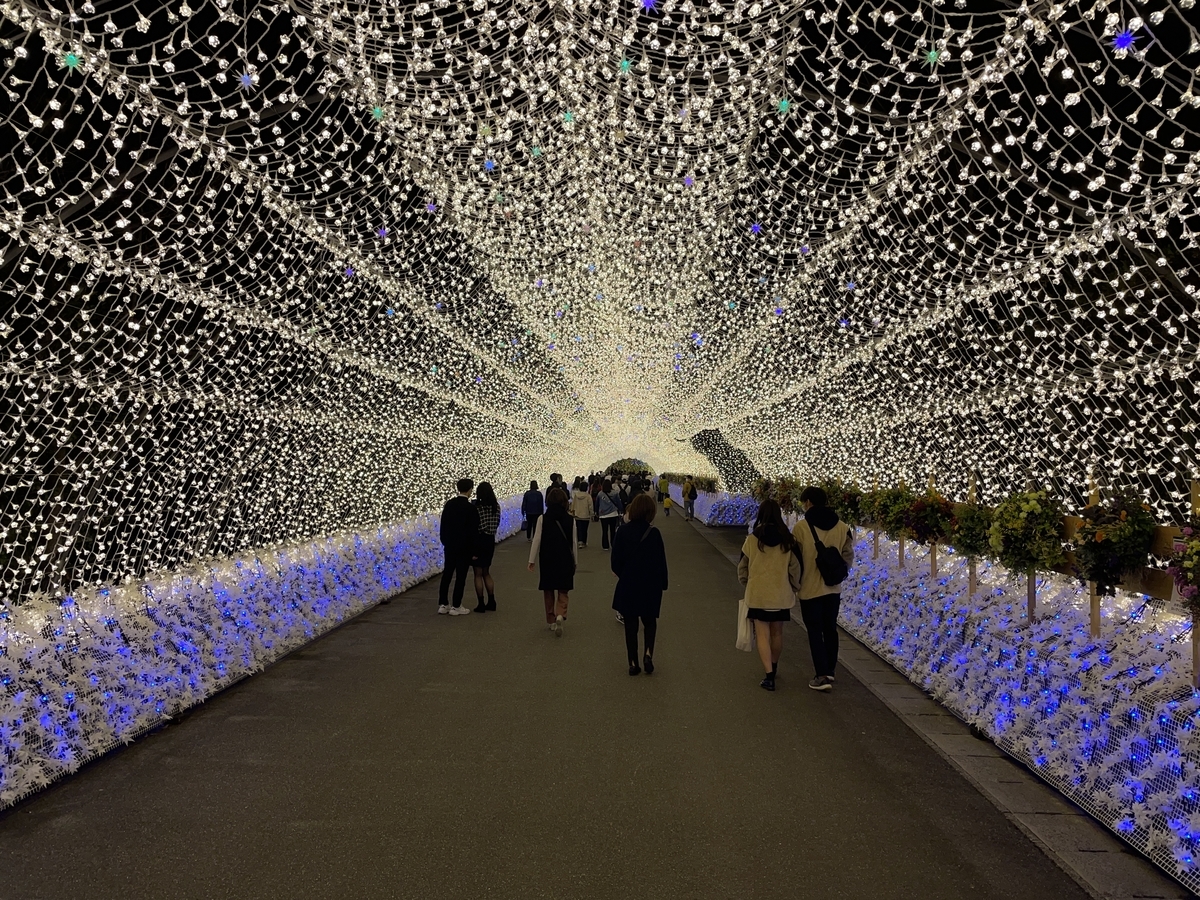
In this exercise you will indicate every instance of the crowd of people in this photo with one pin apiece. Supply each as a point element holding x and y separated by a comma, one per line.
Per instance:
<point>778,567</point>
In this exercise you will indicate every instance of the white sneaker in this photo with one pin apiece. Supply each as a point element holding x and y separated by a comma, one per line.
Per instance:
<point>558,624</point>
<point>580,543</point>
<point>443,609</point>
<point>460,610</point>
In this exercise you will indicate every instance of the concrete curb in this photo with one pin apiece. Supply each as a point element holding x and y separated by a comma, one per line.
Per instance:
<point>1095,859</point>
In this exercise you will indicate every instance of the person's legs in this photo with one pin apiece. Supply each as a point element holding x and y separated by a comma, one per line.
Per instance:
<point>810,611</point>
<point>581,530</point>
<point>631,639</point>
<point>650,628</point>
<point>489,583</point>
<point>548,597</point>
<point>461,568</point>
<point>829,613</point>
<point>762,639</point>
<point>447,575</point>
<point>479,588</point>
<point>776,644</point>
<point>563,597</point>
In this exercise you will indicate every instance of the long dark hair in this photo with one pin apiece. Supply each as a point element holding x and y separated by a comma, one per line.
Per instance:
<point>486,496</point>
<point>770,518</point>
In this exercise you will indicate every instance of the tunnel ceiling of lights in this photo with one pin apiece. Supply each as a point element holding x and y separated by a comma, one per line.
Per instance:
<point>276,271</point>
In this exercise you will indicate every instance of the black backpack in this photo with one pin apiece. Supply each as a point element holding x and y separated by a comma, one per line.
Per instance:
<point>692,495</point>
<point>830,563</point>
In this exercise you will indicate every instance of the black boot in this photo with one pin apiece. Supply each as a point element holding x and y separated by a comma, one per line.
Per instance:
<point>480,607</point>
<point>491,604</point>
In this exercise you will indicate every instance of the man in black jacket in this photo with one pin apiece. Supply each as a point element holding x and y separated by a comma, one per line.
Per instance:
<point>460,528</point>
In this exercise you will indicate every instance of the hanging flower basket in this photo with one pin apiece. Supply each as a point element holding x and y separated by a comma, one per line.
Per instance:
<point>1113,540</point>
<point>971,535</point>
<point>1185,567</point>
<point>1026,532</point>
<point>887,509</point>
<point>844,499</point>
<point>929,519</point>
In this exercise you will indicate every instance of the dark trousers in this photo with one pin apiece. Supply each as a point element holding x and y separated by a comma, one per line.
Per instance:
<point>650,625</point>
<point>820,618</point>
<point>581,528</point>
<point>530,525</point>
<point>458,563</point>
<point>608,527</point>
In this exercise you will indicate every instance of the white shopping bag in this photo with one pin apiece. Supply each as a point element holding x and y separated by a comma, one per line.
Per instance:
<point>745,631</point>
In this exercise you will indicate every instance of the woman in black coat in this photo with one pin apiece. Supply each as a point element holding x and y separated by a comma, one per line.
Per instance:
<point>639,560</point>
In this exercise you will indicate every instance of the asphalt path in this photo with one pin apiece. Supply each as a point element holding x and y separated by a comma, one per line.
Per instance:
<point>412,755</point>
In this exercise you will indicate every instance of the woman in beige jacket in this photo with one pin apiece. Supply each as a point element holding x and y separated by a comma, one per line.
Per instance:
<point>771,573</point>
<point>582,509</point>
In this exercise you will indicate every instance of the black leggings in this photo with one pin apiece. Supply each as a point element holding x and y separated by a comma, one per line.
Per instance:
<point>650,625</point>
<point>531,525</point>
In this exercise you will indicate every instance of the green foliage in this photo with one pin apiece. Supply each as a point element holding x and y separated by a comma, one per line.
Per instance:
<point>1185,567</point>
<point>844,499</point>
<point>628,466</point>
<point>705,483</point>
<point>1026,532</point>
<point>929,519</point>
<point>971,535</point>
<point>761,489</point>
<point>887,508</point>
<point>1113,540</point>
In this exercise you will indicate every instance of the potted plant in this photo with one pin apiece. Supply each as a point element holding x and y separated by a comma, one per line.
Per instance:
<point>1185,566</point>
<point>1026,535</point>
<point>929,519</point>
<point>885,509</point>
<point>971,537</point>
<point>1113,540</point>
<point>845,500</point>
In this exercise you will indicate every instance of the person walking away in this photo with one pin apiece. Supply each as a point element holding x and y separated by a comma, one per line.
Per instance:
<point>770,571</point>
<point>689,498</point>
<point>556,481</point>
<point>664,488</point>
<point>556,550</point>
<point>609,508</point>
<point>582,510</point>
<point>667,504</point>
<point>532,507</point>
<point>639,560</point>
<point>626,496</point>
<point>487,508</point>
<point>821,529</point>
<point>459,532</point>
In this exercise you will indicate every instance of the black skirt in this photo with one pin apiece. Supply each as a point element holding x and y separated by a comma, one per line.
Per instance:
<point>485,550</point>
<point>769,615</point>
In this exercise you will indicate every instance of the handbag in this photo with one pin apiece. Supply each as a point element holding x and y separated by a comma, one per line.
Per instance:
<point>745,631</point>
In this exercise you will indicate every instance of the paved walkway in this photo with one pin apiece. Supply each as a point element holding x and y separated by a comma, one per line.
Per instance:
<point>412,755</point>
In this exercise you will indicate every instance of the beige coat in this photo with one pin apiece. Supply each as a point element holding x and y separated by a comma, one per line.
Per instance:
<point>771,575</point>
<point>581,505</point>
<point>812,585</point>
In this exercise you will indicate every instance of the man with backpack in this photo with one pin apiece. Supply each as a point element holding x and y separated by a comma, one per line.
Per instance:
<point>825,545</point>
<point>689,499</point>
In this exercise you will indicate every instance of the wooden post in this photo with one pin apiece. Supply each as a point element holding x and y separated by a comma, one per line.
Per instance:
<point>972,577</point>
<point>875,525</point>
<point>933,560</point>
<point>1031,593</point>
<point>972,492</point>
<point>1095,607</point>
